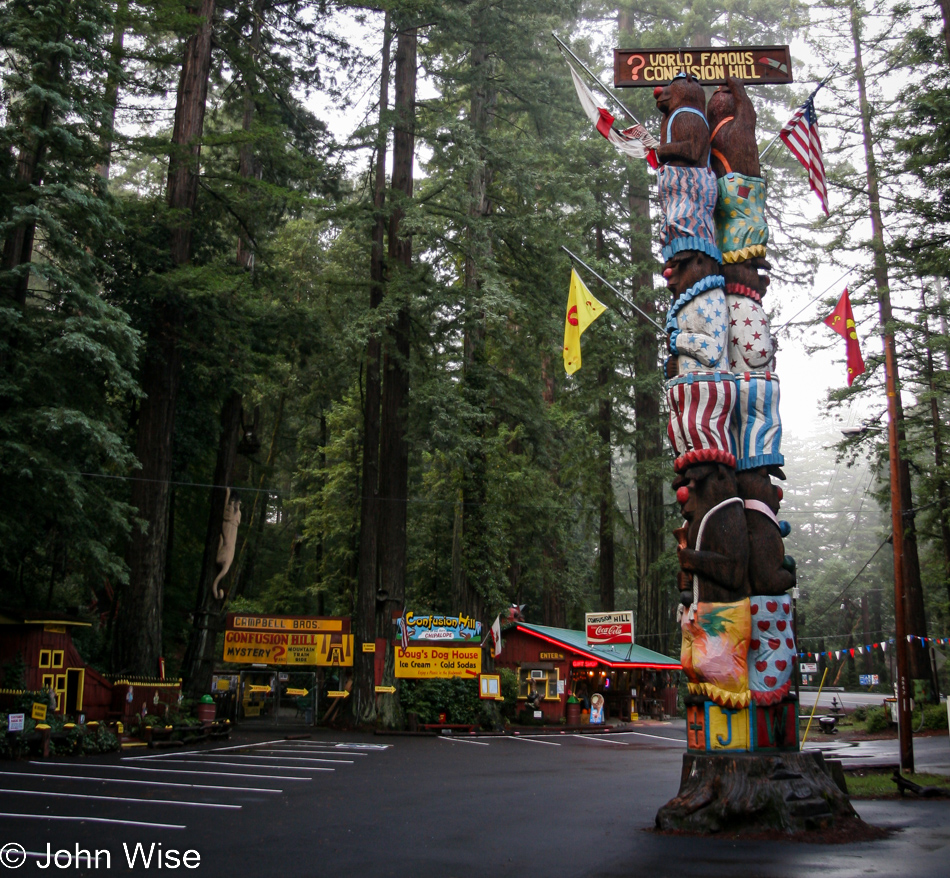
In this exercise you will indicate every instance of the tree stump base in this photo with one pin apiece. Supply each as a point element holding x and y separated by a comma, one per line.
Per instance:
<point>746,793</point>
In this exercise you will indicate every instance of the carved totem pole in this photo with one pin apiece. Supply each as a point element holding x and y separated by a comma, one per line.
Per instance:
<point>738,645</point>
<point>743,769</point>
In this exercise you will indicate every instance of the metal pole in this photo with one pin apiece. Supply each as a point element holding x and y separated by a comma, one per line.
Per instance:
<point>588,71</point>
<point>613,289</point>
<point>814,707</point>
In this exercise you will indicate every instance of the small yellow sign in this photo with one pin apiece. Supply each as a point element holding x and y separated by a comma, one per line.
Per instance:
<point>302,693</point>
<point>258,688</point>
<point>388,690</point>
<point>224,684</point>
<point>39,711</point>
<point>338,694</point>
<point>369,647</point>
<point>728,729</point>
<point>428,662</point>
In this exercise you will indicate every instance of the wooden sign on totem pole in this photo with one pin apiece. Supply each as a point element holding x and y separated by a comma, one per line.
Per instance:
<point>711,65</point>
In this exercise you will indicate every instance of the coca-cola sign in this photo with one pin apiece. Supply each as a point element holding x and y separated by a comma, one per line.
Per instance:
<point>604,628</point>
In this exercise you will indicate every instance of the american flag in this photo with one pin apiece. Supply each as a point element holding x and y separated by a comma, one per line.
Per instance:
<point>800,135</point>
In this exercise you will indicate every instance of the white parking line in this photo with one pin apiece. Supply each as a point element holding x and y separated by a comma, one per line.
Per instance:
<point>675,741</point>
<point>461,740</point>
<point>121,799</point>
<point>271,758</point>
<point>210,750</point>
<point>529,740</point>
<point>154,783</point>
<point>182,770</point>
<point>596,738</point>
<point>341,745</point>
<point>310,750</point>
<point>189,770</point>
<point>95,820</point>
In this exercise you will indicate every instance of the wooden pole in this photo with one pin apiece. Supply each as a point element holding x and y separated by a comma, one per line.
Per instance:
<point>894,420</point>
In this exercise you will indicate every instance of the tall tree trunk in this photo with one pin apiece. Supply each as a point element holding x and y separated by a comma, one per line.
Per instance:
<point>111,93</point>
<point>936,426</point>
<point>605,566</point>
<point>653,600</point>
<point>394,448</point>
<point>364,697</point>
<point>139,630</point>
<point>914,615</point>
<point>250,545</point>
<point>469,554</point>
<point>247,166</point>
<point>199,658</point>
<point>18,245</point>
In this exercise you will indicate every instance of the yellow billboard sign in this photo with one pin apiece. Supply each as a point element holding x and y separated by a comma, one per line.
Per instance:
<point>280,648</point>
<point>288,623</point>
<point>427,662</point>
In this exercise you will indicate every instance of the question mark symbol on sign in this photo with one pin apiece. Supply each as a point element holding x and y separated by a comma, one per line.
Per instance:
<point>637,63</point>
<point>279,653</point>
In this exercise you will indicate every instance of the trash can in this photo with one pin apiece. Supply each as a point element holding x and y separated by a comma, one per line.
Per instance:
<point>206,710</point>
<point>573,711</point>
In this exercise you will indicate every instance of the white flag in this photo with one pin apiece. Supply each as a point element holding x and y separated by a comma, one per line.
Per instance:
<point>635,142</point>
<point>496,636</point>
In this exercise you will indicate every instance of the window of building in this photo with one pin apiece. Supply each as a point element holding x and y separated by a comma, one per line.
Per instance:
<point>57,658</point>
<point>46,658</point>
<point>545,681</point>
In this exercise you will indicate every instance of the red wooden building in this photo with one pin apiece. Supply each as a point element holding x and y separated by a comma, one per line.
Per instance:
<point>45,642</point>
<point>558,662</point>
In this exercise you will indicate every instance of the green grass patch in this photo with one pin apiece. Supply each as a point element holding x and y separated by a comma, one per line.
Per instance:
<point>880,785</point>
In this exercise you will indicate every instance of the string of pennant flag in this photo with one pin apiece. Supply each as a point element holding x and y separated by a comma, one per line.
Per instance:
<point>859,650</point>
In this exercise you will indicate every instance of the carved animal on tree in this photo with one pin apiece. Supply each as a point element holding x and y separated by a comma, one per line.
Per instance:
<point>731,118</point>
<point>684,132</point>
<point>715,558</point>
<point>227,541</point>
<point>741,229</point>
<point>771,572</point>
<point>685,183</point>
<point>696,322</point>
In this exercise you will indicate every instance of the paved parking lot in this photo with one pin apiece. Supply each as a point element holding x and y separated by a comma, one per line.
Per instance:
<point>452,807</point>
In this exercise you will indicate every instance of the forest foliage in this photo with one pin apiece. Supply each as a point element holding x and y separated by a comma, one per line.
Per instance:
<point>184,312</point>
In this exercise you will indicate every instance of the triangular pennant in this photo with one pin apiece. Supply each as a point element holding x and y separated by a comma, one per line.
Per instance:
<point>884,647</point>
<point>837,653</point>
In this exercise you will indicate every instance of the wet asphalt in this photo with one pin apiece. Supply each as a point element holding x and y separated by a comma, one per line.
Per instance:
<point>355,805</point>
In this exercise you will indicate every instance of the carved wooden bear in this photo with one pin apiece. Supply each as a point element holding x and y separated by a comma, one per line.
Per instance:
<point>741,229</point>
<point>685,183</point>
<point>769,571</point>
<point>716,547</point>
<point>731,118</point>
<point>697,333</point>
<point>684,132</point>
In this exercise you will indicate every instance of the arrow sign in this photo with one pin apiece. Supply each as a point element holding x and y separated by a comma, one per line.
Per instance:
<point>387,689</point>
<point>338,694</point>
<point>302,693</point>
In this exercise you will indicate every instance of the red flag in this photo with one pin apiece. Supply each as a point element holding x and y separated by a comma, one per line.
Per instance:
<point>841,320</point>
<point>800,135</point>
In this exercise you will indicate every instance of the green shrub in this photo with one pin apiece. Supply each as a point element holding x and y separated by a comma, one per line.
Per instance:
<point>935,716</point>
<point>876,720</point>
<point>456,698</point>
<point>509,691</point>
<point>860,713</point>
